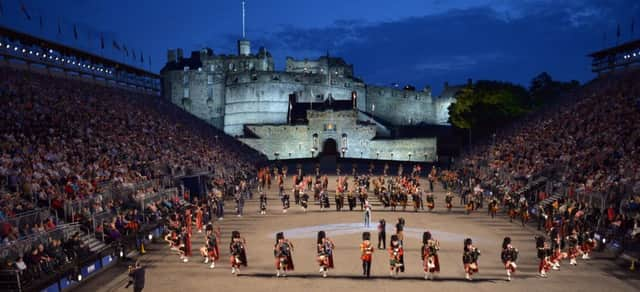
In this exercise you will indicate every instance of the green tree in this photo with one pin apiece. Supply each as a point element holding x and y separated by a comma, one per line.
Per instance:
<point>544,89</point>
<point>488,104</point>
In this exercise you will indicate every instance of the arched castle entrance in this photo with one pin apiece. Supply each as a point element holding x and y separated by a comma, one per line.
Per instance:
<point>330,148</point>
<point>328,158</point>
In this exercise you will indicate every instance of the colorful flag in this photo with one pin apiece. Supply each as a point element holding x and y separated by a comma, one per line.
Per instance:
<point>115,45</point>
<point>59,28</point>
<point>75,32</point>
<point>24,10</point>
<point>141,57</point>
<point>126,51</point>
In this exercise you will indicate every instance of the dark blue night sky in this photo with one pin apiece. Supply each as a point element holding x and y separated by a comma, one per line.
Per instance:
<point>419,42</point>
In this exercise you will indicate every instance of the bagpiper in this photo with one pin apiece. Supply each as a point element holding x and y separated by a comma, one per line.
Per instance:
<point>366,253</point>
<point>210,251</point>
<point>430,261</point>
<point>324,200</point>
<point>304,201</point>
<point>396,256</point>
<point>587,244</point>
<point>238,250</point>
<point>431,203</point>
<point>544,254</point>
<point>263,203</point>
<point>572,243</point>
<point>470,258</point>
<point>493,207</point>
<point>199,219</point>
<point>285,201</point>
<point>324,250</point>
<point>509,256</point>
<point>448,200</point>
<point>556,248</point>
<point>524,211</point>
<point>283,253</point>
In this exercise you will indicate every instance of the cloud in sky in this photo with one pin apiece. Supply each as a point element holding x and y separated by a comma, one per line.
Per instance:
<point>503,40</point>
<point>420,42</point>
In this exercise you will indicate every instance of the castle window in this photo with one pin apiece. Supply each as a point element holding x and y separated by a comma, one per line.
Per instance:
<point>209,92</point>
<point>186,68</point>
<point>212,68</point>
<point>209,79</point>
<point>186,92</point>
<point>185,78</point>
<point>275,78</point>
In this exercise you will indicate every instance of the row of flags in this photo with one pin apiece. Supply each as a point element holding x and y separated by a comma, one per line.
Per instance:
<point>115,45</point>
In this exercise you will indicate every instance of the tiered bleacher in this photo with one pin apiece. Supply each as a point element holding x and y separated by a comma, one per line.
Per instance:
<point>88,171</point>
<point>578,164</point>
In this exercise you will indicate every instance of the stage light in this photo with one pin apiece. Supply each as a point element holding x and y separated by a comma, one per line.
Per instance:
<point>150,236</point>
<point>1,44</point>
<point>30,52</point>
<point>62,60</point>
<point>44,56</point>
<point>37,53</point>
<point>24,51</point>
<point>8,46</point>
<point>79,277</point>
<point>74,62</point>
<point>15,48</point>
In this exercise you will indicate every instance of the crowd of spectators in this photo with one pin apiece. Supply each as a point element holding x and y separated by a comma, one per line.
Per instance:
<point>65,140</point>
<point>591,148</point>
<point>48,255</point>
<point>70,145</point>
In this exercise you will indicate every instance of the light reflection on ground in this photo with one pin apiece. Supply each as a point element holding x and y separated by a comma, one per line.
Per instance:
<point>357,228</point>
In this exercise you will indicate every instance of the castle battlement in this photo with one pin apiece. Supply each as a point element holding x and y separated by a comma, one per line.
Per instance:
<point>230,91</point>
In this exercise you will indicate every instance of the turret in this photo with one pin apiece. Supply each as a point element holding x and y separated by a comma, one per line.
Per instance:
<point>244,47</point>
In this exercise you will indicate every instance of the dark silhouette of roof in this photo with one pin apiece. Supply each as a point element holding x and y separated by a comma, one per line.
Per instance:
<point>628,46</point>
<point>29,40</point>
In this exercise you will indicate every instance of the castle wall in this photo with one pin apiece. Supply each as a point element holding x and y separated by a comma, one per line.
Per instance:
<point>403,107</point>
<point>357,140</point>
<point>205,101</point>
<point>263,97</point>
<point>230,91</point>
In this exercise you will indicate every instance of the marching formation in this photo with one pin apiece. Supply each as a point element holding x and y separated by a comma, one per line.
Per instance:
<point>564,242</point>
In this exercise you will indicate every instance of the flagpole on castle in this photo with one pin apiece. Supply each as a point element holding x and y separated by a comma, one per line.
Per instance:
<point>243,25</point>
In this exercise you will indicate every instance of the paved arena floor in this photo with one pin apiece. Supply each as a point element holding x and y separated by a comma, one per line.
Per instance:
<point>165,272</point>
